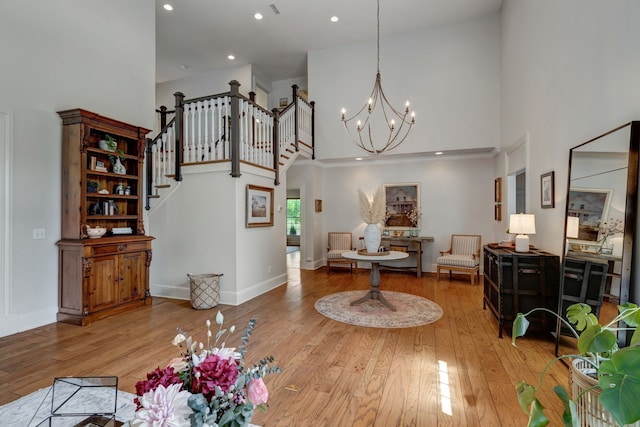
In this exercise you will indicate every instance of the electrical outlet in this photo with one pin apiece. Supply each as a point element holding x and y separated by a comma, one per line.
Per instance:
<point>38,233</point>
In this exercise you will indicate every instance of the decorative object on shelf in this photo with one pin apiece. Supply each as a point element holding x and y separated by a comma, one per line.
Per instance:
<point>118,167</point>
<point>414,216</point>
<point>547,190</point>
<point>397,132</point>
<point>92,186</point>
<point>522,225</point>
<point>119,189</point>
<point>259,206</point>
<point>398,233</point>
<point>373,213</point>
<point>613,401</point>
<point>208,383</point>
<point>96,232</point>
<point>108,143</point>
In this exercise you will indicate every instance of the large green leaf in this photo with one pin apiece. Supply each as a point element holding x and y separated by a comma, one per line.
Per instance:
<point>619,379</point>
<point>631,314</point>
<point>536,416</point>
<point>570,414</point>
<point>580,315</point>
<point>526,395</point>
<point>594,339</point>
<point>520,326</point>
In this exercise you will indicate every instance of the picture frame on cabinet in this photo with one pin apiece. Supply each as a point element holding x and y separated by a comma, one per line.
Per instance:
<point>259,206</point>
<point>547,190</point>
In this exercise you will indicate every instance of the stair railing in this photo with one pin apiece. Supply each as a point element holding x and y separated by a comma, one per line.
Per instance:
<point>226,127</point>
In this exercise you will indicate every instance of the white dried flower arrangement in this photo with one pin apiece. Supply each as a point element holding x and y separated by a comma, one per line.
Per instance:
<point>374,211</point>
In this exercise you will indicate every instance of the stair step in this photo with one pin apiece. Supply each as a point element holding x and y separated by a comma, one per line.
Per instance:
<point>163,185</point>
<point>154,196</point>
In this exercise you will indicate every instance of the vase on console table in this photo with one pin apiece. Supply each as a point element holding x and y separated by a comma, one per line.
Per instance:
<point>372,238</point>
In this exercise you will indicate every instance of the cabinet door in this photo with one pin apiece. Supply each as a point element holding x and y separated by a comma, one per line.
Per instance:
<point>132,278</point>
<point>103,285</point>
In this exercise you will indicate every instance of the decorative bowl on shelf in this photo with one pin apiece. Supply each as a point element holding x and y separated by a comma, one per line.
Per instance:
<point>94,233</point>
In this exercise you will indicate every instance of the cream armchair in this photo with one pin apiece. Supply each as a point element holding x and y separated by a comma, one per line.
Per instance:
<point>463,256</point>
<point>337,244</point>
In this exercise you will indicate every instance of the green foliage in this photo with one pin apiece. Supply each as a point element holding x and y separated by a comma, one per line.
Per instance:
<point>618,369</point>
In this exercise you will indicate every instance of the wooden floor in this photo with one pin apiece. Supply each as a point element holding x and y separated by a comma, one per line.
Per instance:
<point>454,372</point>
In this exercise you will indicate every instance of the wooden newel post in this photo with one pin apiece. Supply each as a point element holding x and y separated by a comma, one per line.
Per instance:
<point>163,116</point>
<point>313,129</point>
<point>295,115</point>
<point>235,129</point>
<point>179,136</point>
<point>276,145</point>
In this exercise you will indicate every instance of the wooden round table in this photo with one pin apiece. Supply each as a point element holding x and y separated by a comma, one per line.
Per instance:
<point>374,277</point>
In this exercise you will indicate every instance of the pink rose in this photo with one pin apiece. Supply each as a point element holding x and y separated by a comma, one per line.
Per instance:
<point>257,392</point>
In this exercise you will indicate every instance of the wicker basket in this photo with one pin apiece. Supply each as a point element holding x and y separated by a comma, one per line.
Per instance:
<point>590,411</point>
<point>205,290</point>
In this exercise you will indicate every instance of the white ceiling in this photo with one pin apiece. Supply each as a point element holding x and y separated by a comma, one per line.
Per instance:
<point>200,34</point>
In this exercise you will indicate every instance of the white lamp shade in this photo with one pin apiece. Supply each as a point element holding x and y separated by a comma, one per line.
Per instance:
<point>573,224</point>
<point>522,224</point>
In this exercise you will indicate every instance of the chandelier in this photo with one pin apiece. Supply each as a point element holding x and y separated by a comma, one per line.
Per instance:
<point>398,123</point>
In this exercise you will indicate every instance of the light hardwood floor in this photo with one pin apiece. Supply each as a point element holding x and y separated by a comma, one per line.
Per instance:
<point>454,372</point>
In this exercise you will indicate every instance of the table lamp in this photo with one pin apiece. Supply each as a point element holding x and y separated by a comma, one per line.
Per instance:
<point>522,225</point>
<point>573,224</point>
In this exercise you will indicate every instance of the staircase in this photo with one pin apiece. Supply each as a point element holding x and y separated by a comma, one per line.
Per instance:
<point>231,128</point>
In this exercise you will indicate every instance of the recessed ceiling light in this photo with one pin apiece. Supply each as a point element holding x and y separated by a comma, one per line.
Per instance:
<point>358,158</point>
<point>438,153</point>
<point>184,67</point>
<point>231,57</point>
<point>258,16</point>
<point>334,19</point>
<point>167,6</point>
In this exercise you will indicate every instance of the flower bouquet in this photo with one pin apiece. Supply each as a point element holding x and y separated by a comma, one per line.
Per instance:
<point>208,385</point>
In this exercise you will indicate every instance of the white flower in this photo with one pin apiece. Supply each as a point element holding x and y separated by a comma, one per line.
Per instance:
<point>178,339</point>
<point>226,353</point>
<point>164,407</point>
<point>219,318</point>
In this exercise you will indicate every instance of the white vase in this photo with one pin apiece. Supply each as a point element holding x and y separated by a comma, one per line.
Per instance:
<point>372,238</point>
<point>119,167</point>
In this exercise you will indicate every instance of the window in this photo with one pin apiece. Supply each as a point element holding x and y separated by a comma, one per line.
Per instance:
<point>293,217</point>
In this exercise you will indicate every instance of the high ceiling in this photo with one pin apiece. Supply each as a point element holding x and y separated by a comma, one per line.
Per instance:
<point>198,35</point>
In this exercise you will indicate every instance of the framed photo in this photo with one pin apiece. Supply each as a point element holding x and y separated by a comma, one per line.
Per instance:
<point>259,206</point>
<point>400,200</point>
<point>547,190</point>
<point>284,102</point>
<point>318,205</point>
<point>497,212</point>
<point>497,190</point>
<point>590,205</point>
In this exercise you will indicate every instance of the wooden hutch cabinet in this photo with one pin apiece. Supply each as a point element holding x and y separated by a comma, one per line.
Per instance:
<point>101,276</point>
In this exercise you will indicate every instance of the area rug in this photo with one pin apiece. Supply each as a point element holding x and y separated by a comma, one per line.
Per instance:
<point>30,410</point>
<point>411,310</point>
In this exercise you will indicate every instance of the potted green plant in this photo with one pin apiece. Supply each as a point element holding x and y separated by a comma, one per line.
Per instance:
<point>92,186</point>
<point>109,143</point>
<point>615,371</point>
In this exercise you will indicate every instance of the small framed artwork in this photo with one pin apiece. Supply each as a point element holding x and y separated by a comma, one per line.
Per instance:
<point>497,190</point>
<point>318,205</point>
<point>284,102</point>
<point>547,190</point>
<point>497,212</point>
<point>259,206</point>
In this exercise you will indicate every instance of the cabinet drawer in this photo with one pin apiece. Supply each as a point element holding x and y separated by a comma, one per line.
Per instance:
<point>118,248</point>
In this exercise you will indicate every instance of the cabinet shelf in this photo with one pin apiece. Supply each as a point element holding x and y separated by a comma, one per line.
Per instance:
<point>110,153</point>
<point>111,175</point>
<point>112,196</point>
<point>111,217</point>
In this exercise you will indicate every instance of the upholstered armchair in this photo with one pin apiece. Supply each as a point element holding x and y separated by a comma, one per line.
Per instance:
<point>337,244</point>
<point>463,256</point>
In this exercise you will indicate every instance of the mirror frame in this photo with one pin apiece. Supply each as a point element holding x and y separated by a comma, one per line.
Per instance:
<point>627,291</point>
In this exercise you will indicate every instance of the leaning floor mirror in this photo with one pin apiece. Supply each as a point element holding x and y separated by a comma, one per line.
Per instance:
<point>602,201</point>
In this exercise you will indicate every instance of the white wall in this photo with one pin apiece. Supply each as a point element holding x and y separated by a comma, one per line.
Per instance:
<point>56,56</point>
<point>569,72</point>
<point>450,74</point>
<point>200,228</point>
<point>456,196</point>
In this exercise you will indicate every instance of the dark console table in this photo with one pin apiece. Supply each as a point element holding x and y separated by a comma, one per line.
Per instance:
<point>518,282</point>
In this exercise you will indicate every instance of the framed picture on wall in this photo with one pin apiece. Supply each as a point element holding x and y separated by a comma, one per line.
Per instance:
<point>400,200</point>
<point>497,212</point>
<point>259,206</point>
<point>318,205</point>
<point>497,190</point>
<point>547,190</point>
